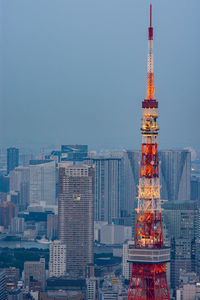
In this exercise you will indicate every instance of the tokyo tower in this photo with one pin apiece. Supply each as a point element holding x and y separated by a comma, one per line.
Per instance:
<point>148,254</point>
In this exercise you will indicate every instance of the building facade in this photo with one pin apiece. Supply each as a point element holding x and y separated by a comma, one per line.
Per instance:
<point>34,273</point>
<point>181,221</point>
<point>12,159</point>
<point>126,266</point>
<point>43,182</point>
<point>57,259</point>
<point>175,173</point>
<point>108,187</point>
<point>7,212</point>
<point>20,182</point>
<point>76,216</point>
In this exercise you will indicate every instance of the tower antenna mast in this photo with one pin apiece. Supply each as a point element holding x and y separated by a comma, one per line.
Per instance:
<point>148,254</point>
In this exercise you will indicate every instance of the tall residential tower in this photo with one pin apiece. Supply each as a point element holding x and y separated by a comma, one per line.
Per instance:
<point>76,216</point>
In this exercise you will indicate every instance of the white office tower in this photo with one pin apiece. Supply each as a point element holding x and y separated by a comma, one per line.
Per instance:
<point>43,182</point>
<point>57,259</point>
<point>126,266</point>
<point>20,182</point>
<point>91,288</point>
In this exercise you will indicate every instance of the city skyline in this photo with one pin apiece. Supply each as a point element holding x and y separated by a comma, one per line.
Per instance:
<point>86,63</point>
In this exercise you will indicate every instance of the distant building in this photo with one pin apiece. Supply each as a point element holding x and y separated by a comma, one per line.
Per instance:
<point>132,174</point>
<point>76,215</point>
<point>108,186</point>
<point>65,288</point>
<point>4,184</point>
<point>181,221</point>
<point>12,159</point>
<point>195,189</point>
<point>15,294</point>
<point>52,226</point>
<point>74,152</point>
<point>175,172</point>
<point>7,212</point>
<point>91,288</point>
<point>34,272</point>
<point>12,274</point>
<point>57,259</point>
<point>126,266</point>
<point>17,225</point>
<point>115,234</point>
<point>20,182</point>
<point>43,182</point>
<point>62,295</point>
<point>2,285</point>
<point>188,291</point>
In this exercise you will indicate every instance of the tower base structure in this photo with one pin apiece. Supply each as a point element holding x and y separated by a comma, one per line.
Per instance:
<point>148,282</point>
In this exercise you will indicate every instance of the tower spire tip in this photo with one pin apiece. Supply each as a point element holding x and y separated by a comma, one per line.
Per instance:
<point>150,15</point>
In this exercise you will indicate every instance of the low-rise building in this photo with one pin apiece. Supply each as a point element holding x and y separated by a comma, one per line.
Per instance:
<point>57,259</point>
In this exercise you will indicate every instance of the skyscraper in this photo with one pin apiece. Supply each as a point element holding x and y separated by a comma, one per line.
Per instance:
<point>108,186</point>
<point>76,216</point>
<point>12,159</point>
<point>43,182</point>
<point>20,182</point>
<point>175,172</point>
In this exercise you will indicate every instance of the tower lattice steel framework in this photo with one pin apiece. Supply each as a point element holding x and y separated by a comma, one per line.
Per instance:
<point>148,254</point>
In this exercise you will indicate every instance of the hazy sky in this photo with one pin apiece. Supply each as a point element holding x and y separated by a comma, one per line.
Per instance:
<point>74,71</point>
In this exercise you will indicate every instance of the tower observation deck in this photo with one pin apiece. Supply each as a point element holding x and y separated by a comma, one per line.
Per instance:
<point>148,254</point>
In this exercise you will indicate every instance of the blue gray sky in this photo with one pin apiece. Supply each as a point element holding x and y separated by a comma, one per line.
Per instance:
<point>74,71</point>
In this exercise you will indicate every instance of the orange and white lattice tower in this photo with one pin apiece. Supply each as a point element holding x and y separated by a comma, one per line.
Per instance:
<point>148,255</point>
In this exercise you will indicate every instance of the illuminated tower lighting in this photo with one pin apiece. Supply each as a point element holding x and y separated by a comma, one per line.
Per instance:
<point>148,254</point>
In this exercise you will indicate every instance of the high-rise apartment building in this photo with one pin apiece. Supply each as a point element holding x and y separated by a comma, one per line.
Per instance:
<point>175,172</point>
<point>12,159</point>
<point>181,221</point>
<point>76,215</point>
<point>43,182</point>
<point>108,187</point>
<point>57,259</point>
<point>34,272</point>
<point>20,182</point>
